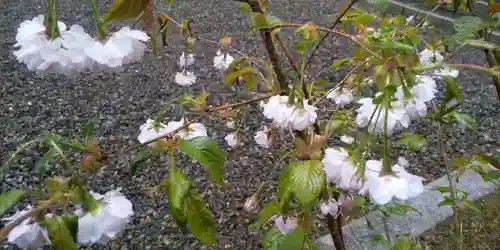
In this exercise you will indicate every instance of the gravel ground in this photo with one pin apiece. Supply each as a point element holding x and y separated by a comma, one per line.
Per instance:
<point>120,103</point>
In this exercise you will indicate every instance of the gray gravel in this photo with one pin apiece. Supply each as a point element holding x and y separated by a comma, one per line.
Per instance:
<point>120,103</point>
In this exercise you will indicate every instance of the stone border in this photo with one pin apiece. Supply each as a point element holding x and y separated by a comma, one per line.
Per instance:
<point>441,18</point>
<point>428,214</point>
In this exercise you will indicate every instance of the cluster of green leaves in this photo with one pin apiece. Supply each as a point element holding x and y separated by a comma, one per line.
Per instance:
<point>186,205</point>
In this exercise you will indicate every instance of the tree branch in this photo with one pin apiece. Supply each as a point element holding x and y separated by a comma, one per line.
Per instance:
<point>271,50</point>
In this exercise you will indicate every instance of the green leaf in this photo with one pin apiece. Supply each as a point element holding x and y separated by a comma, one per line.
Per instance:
<point>273,20</point>
<point>442,189</point>
<point>466,27</point>
<point>381,5</point>
<point>126,9</point>
<point>199,218</point>
<point>415,142</point>
<point>71,222</point>
<point>265,214</point>
<point>273,239</point>
<point>207,152</point>
<point>178,186</point>
<point>403,244</point>
<point>231,77</point>
<point>259,20</point>
<point>140,158</point>
<point>59,234</point>
<point>245,8</point>
<point>338,63</point>
<point>389,44</point>
<point>284,186</point>
<point>468,204</point>
<point>89,130</point>
<point>448,201</point>
<point>306,180</point>
<point>461,119</point>
<point>294,241</point>
<point>481,44</point>
<point>10,199</point>
<point>452,97</point>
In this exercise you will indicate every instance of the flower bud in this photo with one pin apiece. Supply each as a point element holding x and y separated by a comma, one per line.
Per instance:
<point>252,204</point>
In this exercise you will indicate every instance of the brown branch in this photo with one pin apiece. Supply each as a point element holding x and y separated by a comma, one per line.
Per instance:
<point>265,33</point>
<point>323,38</point>
<point>338,33</point>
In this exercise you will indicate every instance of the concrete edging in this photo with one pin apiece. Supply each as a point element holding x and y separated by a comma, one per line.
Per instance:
<point>428,214</point>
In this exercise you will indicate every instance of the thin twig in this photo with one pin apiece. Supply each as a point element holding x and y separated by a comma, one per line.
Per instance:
<point>453,189</point>
<point>356,237</point>
<point>338,33</point>
<point>323,38</point>
<point>341,84</point>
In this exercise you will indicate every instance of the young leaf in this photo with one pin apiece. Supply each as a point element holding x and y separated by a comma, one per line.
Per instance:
<point>470,205</point>
<point>178,186</point>
<point>389,44</point>
<point>273,239</point>
<point>481,44</point>
<point>381,5</point>
<point>265,214</point>
<point>71,222</point>
<point>461,119</point>
<point>207,152</point>
<point>89,130</point>
<point>447,201</point>
<point>10,199</point>
<point>403,244</point>
<point>294,240</point>
<point>59,234</point>
<point>199,218</point>
<point>338,63</point>
<point>140,158</point>
<point>126,9</point>
<point>307,180</point>
<point>231,77</point>
<point>415,142</point>
<point>452,97</point>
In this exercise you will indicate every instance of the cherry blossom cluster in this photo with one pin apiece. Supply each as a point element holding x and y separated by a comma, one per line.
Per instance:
<point>103,223</point>
<point>75,50</point>
<point>409,102</point>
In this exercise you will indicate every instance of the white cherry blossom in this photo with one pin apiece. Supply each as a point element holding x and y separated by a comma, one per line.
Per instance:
<point>232,140</point>
<point>192,131</point>
<point>110,218</point>
<point>262,138</point>
<point>341,97</point>
<point>339,169</point>
<point>278,110</point>
<point>445,72</point>
<point>122,47</point>
<point>303,117</point>
<point>397,116</point>
<point>428,57</point>
<point>346,139</point>
<point>29,234</point>
<point>222,61</point>
<point>285,224</point>
<point>151,130</point>
<point>183,60</point>
<point>383,188</point>
<point>185,78</point>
